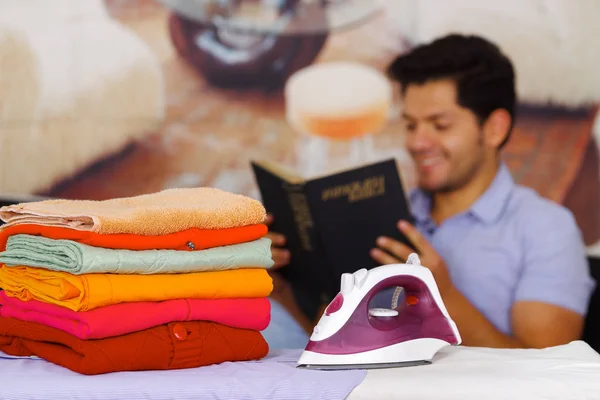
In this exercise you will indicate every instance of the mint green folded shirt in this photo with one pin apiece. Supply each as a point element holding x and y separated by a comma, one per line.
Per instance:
<point>77,258</point>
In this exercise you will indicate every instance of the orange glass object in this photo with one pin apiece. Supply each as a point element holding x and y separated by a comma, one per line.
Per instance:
<point>338,100</point>
<point>344,127</point>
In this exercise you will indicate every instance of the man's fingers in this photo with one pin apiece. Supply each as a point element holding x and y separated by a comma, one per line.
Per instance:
<point>383,258</point>
<point>397,249</point>
<point>281,258</point>
<point>415,237</point>
<point>276,238</point>
<point>269,219</point>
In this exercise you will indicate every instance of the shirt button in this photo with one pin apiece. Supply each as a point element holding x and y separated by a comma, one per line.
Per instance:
<point>180,332</point>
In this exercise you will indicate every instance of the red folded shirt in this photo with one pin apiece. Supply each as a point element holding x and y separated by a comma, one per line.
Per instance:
<point>172,346</point>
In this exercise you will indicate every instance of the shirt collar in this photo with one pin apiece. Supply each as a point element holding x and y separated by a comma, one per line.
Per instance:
<point>488,207</point>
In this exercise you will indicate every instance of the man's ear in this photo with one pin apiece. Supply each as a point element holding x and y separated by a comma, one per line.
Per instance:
<point>497,127</point>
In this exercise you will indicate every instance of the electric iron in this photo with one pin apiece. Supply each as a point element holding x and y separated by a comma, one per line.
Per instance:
<point>389,316</point>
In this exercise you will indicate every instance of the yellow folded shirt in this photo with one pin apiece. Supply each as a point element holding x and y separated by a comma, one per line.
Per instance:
<point>89,291</point>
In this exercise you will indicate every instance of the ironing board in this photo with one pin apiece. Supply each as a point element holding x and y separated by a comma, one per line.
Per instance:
<point>564,372</point>
<point>561,373</point>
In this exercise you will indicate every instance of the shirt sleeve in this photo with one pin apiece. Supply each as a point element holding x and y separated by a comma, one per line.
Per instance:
<point>556,269</point>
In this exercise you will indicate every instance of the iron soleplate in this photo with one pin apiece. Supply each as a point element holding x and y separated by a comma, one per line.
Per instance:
<point>342,367</point>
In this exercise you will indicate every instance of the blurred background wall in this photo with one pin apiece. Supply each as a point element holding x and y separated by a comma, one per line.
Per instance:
<point>112,98</point>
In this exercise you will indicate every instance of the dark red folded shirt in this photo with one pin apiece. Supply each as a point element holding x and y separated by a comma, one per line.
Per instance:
<point>175,345</point>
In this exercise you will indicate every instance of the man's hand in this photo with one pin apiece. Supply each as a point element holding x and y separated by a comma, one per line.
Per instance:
<point>280,256</point>
<point>396,252</point>
<point>534,324</point>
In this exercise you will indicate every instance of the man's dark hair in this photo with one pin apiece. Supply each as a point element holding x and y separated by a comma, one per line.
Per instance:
<point>484,76</point>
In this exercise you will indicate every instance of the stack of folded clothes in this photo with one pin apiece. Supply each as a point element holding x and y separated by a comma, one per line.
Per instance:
<point>170,280</point>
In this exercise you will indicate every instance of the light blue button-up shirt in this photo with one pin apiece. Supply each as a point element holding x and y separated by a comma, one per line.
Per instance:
<point>511,245</point>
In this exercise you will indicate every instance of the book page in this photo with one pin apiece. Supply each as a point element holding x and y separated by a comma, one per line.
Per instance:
<point>285,173</point>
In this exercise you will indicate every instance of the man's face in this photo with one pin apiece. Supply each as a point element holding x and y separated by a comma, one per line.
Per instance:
<point>444,139</point>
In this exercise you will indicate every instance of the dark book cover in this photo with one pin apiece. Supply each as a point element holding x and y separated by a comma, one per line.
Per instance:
<point>591,331</point>
<point>331,222</point>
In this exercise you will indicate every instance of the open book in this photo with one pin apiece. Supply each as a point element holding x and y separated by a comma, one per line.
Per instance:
<point>332,222</point>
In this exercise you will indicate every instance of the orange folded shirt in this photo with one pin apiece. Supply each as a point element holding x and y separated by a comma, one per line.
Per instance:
<point>189,239</point>
<point>89,291</point>
<point>175,345</point>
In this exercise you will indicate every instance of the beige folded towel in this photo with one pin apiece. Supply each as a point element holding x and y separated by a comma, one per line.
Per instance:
<point>161,213</point>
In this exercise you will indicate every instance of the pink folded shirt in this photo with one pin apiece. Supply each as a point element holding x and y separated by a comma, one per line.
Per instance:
<point>123,318</point>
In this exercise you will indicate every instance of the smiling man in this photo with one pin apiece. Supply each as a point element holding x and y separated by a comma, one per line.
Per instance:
<point>511,266</point>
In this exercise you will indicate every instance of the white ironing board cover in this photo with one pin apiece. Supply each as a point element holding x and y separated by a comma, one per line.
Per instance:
<point>564,372</point>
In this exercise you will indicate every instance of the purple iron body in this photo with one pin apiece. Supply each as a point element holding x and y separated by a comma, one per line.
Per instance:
<point>354,334</point>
